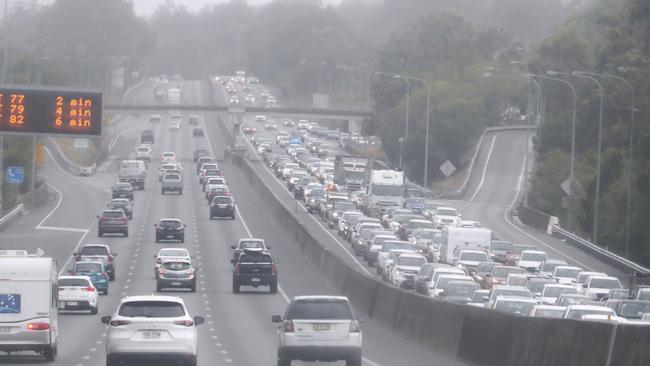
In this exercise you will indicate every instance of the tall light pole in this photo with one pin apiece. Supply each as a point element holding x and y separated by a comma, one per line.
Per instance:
<point>573,139</point>
<point>408,104</point>
<point>579,74</point>
<point>426,129</point>
<point>5,43</point>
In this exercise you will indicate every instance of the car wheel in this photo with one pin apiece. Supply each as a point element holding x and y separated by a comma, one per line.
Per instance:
<point>111,276</point>
<point>235,286</point>
<point>180,192</point>
<point>273,288</point>
<point>193,288</point>
<point>283,361</point>
<point>126,234</point>
<point>110,361</point>
<point>157,240</point>
<point>100,233</point>
<point>378,271</point>
<point>232,217</point>
<point>158,287</point>
<point>94,310</point>
<point>162,191</point>
<point>106,291</point>
<point>50,354</point>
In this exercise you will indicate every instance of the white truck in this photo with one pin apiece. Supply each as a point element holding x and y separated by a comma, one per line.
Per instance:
<point>134,172</point>
<point>174,96</point>
<point>28,303</point>
<point>350,171</point>
<point>455,239</point>
<point>386,189</point>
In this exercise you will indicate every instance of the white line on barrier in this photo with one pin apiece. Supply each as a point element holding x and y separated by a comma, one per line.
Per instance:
<point>480,184</point>
<point>13,213</point>
<point>70,175</point>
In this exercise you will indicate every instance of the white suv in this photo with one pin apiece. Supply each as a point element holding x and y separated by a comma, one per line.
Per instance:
<point>152,327</point>
<point>319,328</point>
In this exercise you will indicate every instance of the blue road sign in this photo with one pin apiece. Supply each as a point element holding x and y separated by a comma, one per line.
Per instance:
<point>15,174</point>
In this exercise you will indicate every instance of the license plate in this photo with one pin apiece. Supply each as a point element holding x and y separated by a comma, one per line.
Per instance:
<point>222,206</point>
<point>170,236</point>
<point>151,335</point>
<point>319,327</point>
<point>255,280</point>
<point>176,283</point>
<point>5,330</point>
<point>72,303</point>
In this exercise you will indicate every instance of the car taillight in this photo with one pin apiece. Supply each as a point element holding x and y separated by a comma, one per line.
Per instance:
<point>117,323</point>
<point>354,326</point>
<point>104,274</point>
<point>185,323</point>
<point>237,268</point>
<point>288,326</point>
<point>77,257</point>
<point>110,258</point>
<point>274,269</point>
<point>38,326</point>
<point>88,289</point>
<point>72,273</point>
<point>158,260</point>
<point>161,271</point>
<point>230,205</point>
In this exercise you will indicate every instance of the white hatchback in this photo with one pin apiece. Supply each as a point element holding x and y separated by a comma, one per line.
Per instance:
<point>152,327</point>
<point>319,328</point>
<point>78,293</point>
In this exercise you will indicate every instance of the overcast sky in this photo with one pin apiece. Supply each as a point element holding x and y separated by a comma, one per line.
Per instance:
<point>147,7</point>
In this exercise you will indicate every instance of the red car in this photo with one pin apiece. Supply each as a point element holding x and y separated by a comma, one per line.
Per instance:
<point>248,130</point>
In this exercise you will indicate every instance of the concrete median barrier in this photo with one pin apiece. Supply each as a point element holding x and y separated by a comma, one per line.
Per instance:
<point>360,291</point>
<point>631,345</point>
<point>387,304</point>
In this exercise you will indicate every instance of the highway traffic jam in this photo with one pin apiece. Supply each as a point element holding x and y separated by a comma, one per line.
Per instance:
<point>410,241</point>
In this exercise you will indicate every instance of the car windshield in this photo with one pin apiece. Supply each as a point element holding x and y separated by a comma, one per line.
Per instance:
<point>634,309</point>
<point>386,247</point>
<point>252,244</point>
<point>176,266</point>
<point>471,256</point>
<point>173,253</point>
<point>512,292</point>
<point>172,177</point>
<point>317,193</point>
<point>223,200</point>
<point>442,281</point>
<point>538,286</point>
<point>549,313</point>
<point>567,272</point>
<point>434,236</point>
<point>514,307</point>
<point>255,257</point>
<point>446,212</point>
<point>485,267</point>
<point>557,291</point>
<point>410,261</point>
<point>503,272</point>
<point>88,267</point>
<point>345,206</point>
<point>93,250</point>
<point>605,283</point>
<point>74,282</point>
<point>170,224</point>
<point>151,309</point>
<point>465,290</point>
<point>420,224</point>
<point>503,246</point>
<point>319,309</point>
<point>534,257</point>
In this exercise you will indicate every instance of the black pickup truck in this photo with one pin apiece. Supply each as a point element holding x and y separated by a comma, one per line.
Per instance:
<point>254,268</point>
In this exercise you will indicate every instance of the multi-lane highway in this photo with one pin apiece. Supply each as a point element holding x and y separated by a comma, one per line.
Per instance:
<point>238,329</point>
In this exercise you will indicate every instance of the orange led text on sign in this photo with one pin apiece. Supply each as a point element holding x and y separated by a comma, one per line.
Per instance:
<point>17,110</point>
<point>80,113</point>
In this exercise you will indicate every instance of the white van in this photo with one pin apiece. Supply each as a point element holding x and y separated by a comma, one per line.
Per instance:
<point>134,172</point>
<point>28,303</point>
<point>455,239</point>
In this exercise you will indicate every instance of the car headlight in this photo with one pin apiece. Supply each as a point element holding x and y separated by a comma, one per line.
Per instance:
<point>335,214</point>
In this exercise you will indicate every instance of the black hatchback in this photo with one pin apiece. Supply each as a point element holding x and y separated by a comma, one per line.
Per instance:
<point>122,190</point>
<point>170,229</point>
<point>222,206</point>
<point>123,204</point>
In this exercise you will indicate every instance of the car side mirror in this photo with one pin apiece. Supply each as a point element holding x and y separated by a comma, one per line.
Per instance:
<point>268,247</point>
<point>114,254</point>
<point>198,320</point>
<point>155,225</point>
<point>584,285</point>
<point>97,216</point>
<point>106,319</point>
<point>75,254</point>
<point>485,298</point>
<point>233,247</point>
<point>233,261</point>
<point>155,256</point>
<point>276,319</point>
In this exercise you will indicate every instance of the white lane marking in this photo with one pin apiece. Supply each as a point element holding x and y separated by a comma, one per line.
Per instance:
<point>520,181</point>
<point>110,147</point>
<point>336,240</point>
<point>76,248</point>
<point>483,174</point>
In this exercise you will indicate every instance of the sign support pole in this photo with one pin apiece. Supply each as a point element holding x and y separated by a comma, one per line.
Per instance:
<point>32,183</point>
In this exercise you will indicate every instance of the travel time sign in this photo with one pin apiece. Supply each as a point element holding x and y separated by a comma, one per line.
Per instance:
<point>50,112</point>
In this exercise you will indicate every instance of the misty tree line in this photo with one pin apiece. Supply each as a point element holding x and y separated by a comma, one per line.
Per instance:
<point>302,47</point>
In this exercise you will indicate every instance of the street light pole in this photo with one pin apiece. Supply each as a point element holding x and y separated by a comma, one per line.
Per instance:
<point>5,43</point>
<point>573,139</point>
<point>580,74</point>
<point>426,137</point>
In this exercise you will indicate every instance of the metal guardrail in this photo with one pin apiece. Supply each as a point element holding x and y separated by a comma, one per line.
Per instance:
<point>11,215</point>
<point>611,258</point>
